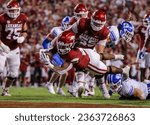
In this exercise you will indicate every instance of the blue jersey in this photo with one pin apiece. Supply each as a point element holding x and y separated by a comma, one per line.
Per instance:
<point>56,60</point>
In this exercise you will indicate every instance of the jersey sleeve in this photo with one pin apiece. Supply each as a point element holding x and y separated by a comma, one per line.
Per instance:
<point>106,32</point>
<point>73,57</point>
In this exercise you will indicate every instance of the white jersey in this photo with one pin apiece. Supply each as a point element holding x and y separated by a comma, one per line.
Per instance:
<point>147,34</point>
<point>56,31</point>
<point>114,34</point>
<point>129,85</point>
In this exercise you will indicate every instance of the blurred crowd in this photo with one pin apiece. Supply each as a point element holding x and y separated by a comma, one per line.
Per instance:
<point>45,14</point>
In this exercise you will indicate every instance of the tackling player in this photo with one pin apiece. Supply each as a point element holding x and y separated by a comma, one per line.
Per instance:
<point>93,33</point>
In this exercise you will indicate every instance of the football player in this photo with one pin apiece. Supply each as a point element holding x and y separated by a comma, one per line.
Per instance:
<point>81,59</point>
<point>13,25</point>
<point>57,60</point>
<point>125,31</point>
<point>93,33</point>
<point>80,11</point>
<point>128,88</point>
<point>143,55</point>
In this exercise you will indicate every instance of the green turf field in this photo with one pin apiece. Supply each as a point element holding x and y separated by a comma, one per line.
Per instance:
<point>41,94</point>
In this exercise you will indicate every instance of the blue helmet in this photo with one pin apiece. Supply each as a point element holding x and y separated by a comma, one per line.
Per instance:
<point>126,30</point>
<point>65,22</point>
<point>114,81</point>
<point>146,20</point>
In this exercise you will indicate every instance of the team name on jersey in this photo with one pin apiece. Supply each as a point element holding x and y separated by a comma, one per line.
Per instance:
<point>13,25</point>
<point>87,40</point>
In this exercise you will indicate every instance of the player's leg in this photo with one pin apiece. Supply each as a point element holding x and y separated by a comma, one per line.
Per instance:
<point>142,68</point>
<point>98,68</point>
<point>80,80</point>
<point>13,61</point>
<point>2,66</point>
<point>147,64</point>
<point>90,85</point>
<point>62,80</point>
<point>50,85</point>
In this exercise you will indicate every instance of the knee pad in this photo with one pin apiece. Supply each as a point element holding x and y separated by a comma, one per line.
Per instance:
<point>13,74</point>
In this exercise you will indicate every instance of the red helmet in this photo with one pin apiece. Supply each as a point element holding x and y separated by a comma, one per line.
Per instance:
<point>13,9</point>
<point>98,20</point>
<point>146,20</point>
<point>80,11</point>
<point>65,42</point>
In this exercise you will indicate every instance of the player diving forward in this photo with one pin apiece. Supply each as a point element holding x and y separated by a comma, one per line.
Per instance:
<point>128,88</point>
<point>57,60</point>
<point>81,59</point>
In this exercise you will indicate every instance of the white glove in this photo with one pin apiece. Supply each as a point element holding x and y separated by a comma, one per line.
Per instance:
<point>20,39</point>
<point>4,48</point>
<point>45,58</point>
<point>119,57</point>
<point>142,53</point>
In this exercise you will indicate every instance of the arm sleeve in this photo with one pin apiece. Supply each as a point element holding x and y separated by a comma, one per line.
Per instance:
<point>46,43</point>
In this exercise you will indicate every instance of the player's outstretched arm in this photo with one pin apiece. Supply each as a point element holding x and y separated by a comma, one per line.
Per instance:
<point>46,57</point>
<point>108,56</point>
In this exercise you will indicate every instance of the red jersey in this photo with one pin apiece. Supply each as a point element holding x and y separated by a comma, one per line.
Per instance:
<point>78,58</point>
<point>87,37</point>
<point>142,31</point>
<point>11,29</point>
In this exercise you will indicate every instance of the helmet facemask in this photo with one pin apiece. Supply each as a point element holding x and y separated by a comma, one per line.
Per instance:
<point>127,36</point>
<point>13,12</point>
<point>97,24</point>
<point>64,48</point>
<point>146,22</point>
<point>80,15</point>
<point>126,30</point>
<point>115,82</point>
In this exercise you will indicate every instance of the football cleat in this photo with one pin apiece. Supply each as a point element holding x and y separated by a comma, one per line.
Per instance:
<point>51,88</point>
<point>61,92</point>
<point>5,93</point>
